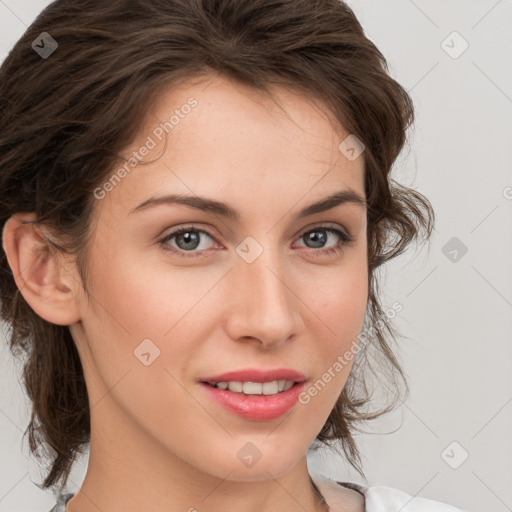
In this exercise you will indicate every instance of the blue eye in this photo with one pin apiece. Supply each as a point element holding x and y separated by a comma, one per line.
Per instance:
<point>188,239</point>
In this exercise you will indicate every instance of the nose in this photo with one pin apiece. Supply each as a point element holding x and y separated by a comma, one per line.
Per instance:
<point>263,305</point>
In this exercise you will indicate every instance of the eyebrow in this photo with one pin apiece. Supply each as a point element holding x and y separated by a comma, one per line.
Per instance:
<point>224,210</point>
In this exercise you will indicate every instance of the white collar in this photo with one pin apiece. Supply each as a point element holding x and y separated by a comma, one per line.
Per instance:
<point>377,498</point>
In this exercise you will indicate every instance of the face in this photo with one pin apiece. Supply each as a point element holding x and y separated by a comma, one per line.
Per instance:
<point>263,290</point>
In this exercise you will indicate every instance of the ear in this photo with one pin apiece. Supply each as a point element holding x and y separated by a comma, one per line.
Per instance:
<point>43,280</point>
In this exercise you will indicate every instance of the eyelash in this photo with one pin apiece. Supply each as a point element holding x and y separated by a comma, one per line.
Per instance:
<point>346,240</point>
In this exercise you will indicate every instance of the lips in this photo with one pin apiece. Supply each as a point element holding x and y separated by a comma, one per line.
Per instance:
<point>255,407</point>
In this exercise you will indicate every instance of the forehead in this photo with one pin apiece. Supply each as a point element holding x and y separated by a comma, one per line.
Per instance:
<point>215,137</point>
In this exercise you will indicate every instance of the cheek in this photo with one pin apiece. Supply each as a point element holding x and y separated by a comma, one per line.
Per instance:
<point>340,315</point>
<point>145,296</point>
<point>338,302</point>
<point>145,313</point>
<point>338,297</point>
<point>345,306</point>
<point>139,333</point>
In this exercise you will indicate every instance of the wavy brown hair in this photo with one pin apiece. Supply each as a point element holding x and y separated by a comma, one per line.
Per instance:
<point>65,119</point>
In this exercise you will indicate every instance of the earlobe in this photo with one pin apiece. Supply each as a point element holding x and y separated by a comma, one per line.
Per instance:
<point>45,284</point>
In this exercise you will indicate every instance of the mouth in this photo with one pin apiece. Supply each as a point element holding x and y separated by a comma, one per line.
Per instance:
<point>254,394</point>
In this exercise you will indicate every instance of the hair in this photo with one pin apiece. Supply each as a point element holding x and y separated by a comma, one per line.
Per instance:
<point>65,119</point>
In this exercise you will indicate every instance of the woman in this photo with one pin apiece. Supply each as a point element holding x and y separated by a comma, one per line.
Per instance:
<point>195,200</point>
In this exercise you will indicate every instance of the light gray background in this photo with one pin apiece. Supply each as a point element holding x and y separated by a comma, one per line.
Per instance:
<point>457,315</point>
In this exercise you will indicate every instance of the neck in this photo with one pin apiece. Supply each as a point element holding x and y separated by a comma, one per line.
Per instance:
<point>129,471</point>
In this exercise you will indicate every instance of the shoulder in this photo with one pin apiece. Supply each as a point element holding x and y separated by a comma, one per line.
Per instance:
<point>376,498</point>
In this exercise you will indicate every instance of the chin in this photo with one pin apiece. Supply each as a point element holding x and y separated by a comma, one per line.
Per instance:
<point>258,461</point>
<point>259,472</point>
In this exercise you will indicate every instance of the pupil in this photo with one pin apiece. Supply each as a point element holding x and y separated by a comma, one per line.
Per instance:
<point>313,236</point>
<point>190,237</point>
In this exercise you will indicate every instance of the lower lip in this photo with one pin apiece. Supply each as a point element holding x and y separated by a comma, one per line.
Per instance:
<point>256,407</point>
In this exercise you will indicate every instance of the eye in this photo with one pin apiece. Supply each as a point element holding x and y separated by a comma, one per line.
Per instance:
<point>188,241</point>
<point>320,235</point>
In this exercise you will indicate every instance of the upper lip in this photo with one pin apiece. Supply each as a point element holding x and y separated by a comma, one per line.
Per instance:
<point>257,375</point>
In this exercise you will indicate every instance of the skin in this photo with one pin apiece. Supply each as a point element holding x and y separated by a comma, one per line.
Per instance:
<point>158,442</point>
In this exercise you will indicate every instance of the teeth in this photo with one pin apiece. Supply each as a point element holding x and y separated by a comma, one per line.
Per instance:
<point>237,387</point>
<point>269,388</point>
<point>257,388</point>
<point>287,385</point>
<point>252,388</point>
